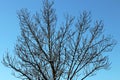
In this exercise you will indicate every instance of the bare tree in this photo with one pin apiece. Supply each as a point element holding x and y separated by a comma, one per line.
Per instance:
<point>45,51</point>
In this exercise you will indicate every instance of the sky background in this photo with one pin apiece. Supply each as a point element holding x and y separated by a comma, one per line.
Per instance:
<point>106,10</point>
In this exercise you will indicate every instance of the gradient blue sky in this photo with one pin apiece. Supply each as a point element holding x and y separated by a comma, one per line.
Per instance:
<point>106,10</point>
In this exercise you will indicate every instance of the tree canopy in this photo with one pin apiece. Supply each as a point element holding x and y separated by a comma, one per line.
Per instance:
<point>47,51</point>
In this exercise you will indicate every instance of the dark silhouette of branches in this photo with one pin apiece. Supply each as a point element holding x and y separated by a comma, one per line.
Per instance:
<point>46,51</point>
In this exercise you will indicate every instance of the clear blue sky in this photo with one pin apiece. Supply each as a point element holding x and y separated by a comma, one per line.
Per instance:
<point>106,10</point>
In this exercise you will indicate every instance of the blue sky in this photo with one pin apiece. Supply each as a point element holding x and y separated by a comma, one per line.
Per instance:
<point>106,10</point>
